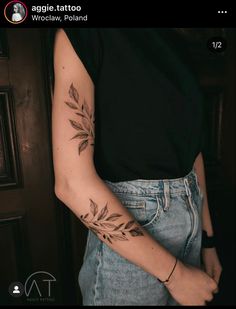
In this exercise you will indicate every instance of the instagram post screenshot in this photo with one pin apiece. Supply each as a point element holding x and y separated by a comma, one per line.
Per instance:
<point>117,153</point>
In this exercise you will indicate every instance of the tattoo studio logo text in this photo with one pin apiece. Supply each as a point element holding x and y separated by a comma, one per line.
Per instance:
<point>38,287</point>
<point>58,13</point>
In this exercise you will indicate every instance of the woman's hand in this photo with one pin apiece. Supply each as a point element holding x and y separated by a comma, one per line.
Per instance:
<point>189,285</point>
<point>211,263</point>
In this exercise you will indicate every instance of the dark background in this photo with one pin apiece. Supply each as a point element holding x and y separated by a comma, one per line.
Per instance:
<point>38,232</point>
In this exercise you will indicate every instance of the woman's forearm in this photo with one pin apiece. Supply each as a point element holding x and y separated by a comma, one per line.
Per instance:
<point>101,211</point>
<point>206,218</point>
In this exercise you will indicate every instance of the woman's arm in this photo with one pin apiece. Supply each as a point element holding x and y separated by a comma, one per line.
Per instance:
<point>211,261</point>
<point>79,187</point>
<point>76,181</point>
<point>206,218</point>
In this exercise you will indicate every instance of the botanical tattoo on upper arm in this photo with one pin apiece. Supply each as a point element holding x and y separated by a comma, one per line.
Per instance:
<point>102,223</point>
<point>84,127</point>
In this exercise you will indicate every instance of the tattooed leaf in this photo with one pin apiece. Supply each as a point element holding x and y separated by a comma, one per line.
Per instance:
<point>80,135</point>
<point>83,145</point>
<point>136,232</point>
<point>80,114</point>
<point>93,207</point>
<point>94,230</point>
<point>73,93</point>
<point>71,105</point>
<point>86,123</point>
<point>129,224</point>
<point>86,108</point>
<point>109,240</point>
<point>113,217</point>
<point>109,225</point>
<point>86,216</point>
<point>118,227</point>
<point>76,125</point>
<point>103,213</point>
<point>119,237</point>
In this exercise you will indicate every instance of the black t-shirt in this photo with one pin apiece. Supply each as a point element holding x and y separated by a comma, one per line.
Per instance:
<point>149,120</point>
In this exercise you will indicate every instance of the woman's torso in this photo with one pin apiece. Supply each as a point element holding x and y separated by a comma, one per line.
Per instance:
<point>148,107</point>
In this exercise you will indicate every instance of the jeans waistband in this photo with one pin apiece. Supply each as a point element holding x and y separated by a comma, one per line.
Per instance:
<point>154,186</point>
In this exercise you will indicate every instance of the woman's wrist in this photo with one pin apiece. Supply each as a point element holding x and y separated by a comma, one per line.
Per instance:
<point>176,275</point>
<point>171,273</point>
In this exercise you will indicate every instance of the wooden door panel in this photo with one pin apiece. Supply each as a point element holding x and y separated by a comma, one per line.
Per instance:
<point>14,251</point>
<point>28,210</point>
<point>9,156</point>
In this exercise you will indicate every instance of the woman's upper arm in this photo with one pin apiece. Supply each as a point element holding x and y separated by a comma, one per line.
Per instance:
<point>72,115</point>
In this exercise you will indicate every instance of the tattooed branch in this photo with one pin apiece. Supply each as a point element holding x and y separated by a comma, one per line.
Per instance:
<point>84,128</point>
<point>102,223</point>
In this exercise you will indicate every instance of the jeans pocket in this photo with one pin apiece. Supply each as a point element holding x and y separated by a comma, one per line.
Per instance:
<point>144,209</point>
<point>135,205</point>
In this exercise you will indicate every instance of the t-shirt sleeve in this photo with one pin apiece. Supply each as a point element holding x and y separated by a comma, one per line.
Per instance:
<point>87,45</point>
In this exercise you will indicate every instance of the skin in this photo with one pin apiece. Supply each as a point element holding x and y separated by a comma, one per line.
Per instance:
<point>211,261</point>
<point>79,187</point>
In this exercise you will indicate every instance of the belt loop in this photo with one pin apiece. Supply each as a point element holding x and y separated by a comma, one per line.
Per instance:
<point>166,194</point>
<point>188,191</point>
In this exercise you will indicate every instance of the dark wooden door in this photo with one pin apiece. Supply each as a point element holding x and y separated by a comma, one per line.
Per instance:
<point>31,231</point>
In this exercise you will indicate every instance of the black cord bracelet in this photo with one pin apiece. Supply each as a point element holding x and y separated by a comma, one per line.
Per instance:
<point>176,260</point>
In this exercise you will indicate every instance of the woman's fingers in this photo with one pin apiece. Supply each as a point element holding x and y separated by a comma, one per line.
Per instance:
<point>217,274</point>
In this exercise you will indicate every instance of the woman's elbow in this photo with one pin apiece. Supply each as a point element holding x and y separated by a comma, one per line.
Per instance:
<point>68,187</point>
<point>65,181</point>
<point>61,189</point>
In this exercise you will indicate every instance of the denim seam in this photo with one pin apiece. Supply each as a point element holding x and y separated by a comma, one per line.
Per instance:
<point>166,195</point>
<point>172,192</point>
<point>99,259</point>
<point>132,204</point>
<point>194,216</point>
<point>157,214</point>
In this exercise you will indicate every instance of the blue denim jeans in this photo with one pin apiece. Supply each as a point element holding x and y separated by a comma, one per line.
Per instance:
<point>170,210</point>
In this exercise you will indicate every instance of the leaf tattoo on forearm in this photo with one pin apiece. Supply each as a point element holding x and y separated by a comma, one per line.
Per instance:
<point>84,128</point>
<point>102,223</point>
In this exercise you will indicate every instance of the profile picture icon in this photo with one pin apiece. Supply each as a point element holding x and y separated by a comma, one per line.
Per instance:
<point>16,289</point>
<point>15,12</point>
